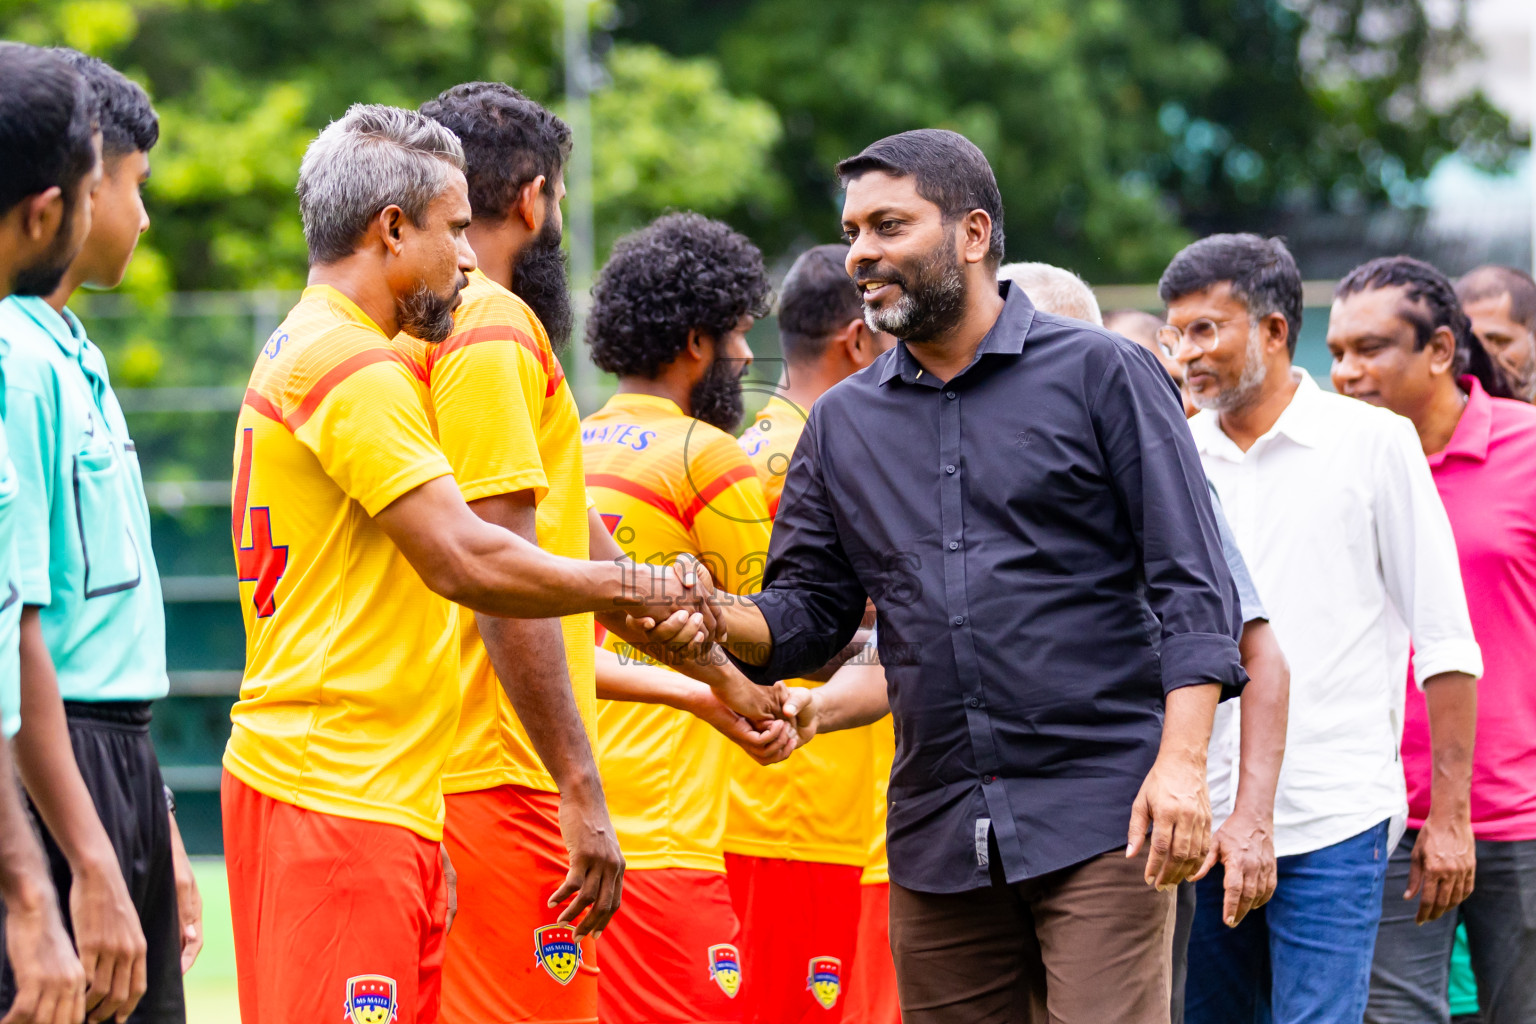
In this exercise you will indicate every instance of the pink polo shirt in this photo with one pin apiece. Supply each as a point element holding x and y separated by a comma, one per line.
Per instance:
<point>1487,479</point>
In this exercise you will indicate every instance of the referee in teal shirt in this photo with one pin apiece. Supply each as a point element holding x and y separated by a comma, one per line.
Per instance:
<point>91,598</point>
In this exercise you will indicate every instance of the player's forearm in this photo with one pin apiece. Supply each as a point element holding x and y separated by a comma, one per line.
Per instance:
<point>637,682</point>
<point>854,697</point>
<point>504,575</point>
<point>1265,710</point>
<point>747,634</point>
<point>46,759</point>
<point>1451,701</point>
<point>24,881</point>
<point>528,656</point>
<point>1188,714</point>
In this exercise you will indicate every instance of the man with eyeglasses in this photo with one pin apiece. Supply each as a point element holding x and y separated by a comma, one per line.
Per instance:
<point>1341,526</point>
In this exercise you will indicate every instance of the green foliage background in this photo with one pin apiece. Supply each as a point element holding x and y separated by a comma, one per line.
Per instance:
<point>1117,127</point>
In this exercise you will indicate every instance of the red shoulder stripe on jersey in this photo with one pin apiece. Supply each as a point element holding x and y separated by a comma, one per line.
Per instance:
<point>492,332</point>
<point>709,492</point>
<point>340,372</point>
<point>261,404</point>
<point>638,491</point>
<point>773,507</point>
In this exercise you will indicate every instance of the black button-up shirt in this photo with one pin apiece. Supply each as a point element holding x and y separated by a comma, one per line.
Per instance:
<point>1038,539</point>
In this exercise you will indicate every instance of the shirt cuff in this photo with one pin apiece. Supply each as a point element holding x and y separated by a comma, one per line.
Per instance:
<point>1448,656</point>
<point>1196,659</point>
<point>783,642</point>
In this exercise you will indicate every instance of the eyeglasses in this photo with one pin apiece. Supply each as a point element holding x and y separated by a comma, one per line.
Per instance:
<point>1204,334</point>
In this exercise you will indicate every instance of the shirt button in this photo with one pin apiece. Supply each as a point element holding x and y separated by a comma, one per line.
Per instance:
<point>949,469</point>
<point>987,780</point>
<point>974,702</point>
<point>949,395</point>
<point>954,545</point>
<point>959,620</point>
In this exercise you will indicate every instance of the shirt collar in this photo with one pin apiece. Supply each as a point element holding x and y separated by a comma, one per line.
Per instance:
<point>340,303</point>
<point>64,328</point>
<point>1470,438</point>
<point>1303,421</point>
<point>1005,338</point>
<point>630,400</point>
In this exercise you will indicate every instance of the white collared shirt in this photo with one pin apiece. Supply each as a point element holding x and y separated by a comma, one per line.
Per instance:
<point>1336,513</point>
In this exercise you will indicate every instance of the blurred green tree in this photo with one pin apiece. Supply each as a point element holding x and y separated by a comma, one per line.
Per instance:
<point>1115,126</point>
<point>243,85</point>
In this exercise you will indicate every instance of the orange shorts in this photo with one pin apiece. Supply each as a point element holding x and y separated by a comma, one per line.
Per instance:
<point>799,923</point>
<point>507,959</point>
<point>872,982</point>
<point>669,956</point>
<point>335,919</point>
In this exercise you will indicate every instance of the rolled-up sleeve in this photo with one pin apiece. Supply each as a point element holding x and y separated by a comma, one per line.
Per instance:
<point>1156,473</point>
<point>811,599</point>
<point>1419,562</point>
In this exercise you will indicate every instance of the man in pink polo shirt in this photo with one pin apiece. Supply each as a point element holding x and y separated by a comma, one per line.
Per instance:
<point>1400,339</point>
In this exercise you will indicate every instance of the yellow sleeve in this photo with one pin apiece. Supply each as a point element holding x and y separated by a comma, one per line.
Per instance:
<point>730,515</point>
<point>487,395</point>
<point>371,433</point>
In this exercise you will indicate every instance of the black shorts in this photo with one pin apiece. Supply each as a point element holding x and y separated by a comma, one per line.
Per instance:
<point>117,761</point>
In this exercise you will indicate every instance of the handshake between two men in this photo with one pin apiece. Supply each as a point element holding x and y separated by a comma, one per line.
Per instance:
<point>1170,822</point>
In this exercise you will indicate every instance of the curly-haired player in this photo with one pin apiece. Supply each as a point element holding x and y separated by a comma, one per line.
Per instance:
<point>670,315</point>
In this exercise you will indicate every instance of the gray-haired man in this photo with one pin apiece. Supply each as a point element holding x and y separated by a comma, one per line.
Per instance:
<point>348,528</point>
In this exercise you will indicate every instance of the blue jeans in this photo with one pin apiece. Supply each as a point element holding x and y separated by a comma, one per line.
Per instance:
<point>1305,956</point>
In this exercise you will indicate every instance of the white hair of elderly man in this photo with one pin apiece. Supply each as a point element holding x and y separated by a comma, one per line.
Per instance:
<point>1054,290</point>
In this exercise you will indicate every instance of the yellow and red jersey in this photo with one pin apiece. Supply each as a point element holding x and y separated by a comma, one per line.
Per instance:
<point>814,806</point>
<point>351,692</point>
<point>507,422</point>
<point>877,870</point>
<point>667,484</point>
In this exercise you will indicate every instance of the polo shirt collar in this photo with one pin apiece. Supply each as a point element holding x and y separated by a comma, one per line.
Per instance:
<point>339,302</point>
<point>1005,338</point>
<point>632,400</point>
<point>1473,431</point>
<point>64,328</point>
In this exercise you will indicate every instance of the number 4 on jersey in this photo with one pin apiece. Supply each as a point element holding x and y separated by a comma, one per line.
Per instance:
<point>263,563</point>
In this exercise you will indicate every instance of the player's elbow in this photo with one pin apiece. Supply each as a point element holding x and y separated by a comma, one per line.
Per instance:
<point>448,569</point>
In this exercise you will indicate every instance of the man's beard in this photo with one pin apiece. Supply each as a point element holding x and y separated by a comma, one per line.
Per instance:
<point>1248,384</point>
<point>43,277</point>
<point>932,296</point>
<point>424,314</point>
<point>716,398</point>
<point>539,279</point>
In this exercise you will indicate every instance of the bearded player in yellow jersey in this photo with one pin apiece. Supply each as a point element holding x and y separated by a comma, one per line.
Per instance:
<point>803,826</point>
<point>349,532</point>
<point>669,318</point>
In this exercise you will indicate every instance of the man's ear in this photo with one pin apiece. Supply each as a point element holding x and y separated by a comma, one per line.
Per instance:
<point>1277,331</point>
<point>698,345</point>
<point>855,343</point>
<point>528,207</point>
<point>975,236</point>
<point>43,214</point>
<point>389,225</point>
<point>1442,350</point>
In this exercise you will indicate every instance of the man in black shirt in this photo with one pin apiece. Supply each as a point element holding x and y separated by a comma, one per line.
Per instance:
<point>1020,496</point>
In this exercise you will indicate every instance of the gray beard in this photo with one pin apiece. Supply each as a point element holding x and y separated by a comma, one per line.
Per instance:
<point>1248,385</point>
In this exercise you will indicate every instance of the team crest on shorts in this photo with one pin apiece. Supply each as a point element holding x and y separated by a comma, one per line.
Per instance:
<point>725,968</point>
<point>371,999</point>
<point>557,951</point>
<point>826,980</point>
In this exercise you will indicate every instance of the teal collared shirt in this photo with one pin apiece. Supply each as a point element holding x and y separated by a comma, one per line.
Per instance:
<point>82,521</point>
<point>10,583</point>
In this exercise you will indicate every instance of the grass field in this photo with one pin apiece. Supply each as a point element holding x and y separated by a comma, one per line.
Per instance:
<point>211,995</point>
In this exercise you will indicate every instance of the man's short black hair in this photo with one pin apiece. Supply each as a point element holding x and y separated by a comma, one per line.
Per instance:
<point>1432,304</point>
<point>949,172</point>
<point>1261,271</point>
<point>508,139</point>
<point>817,299</point>
<point>128,120</point>
<point>680,273</point>
<point>1491,282</point>
<point>47,118</point>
